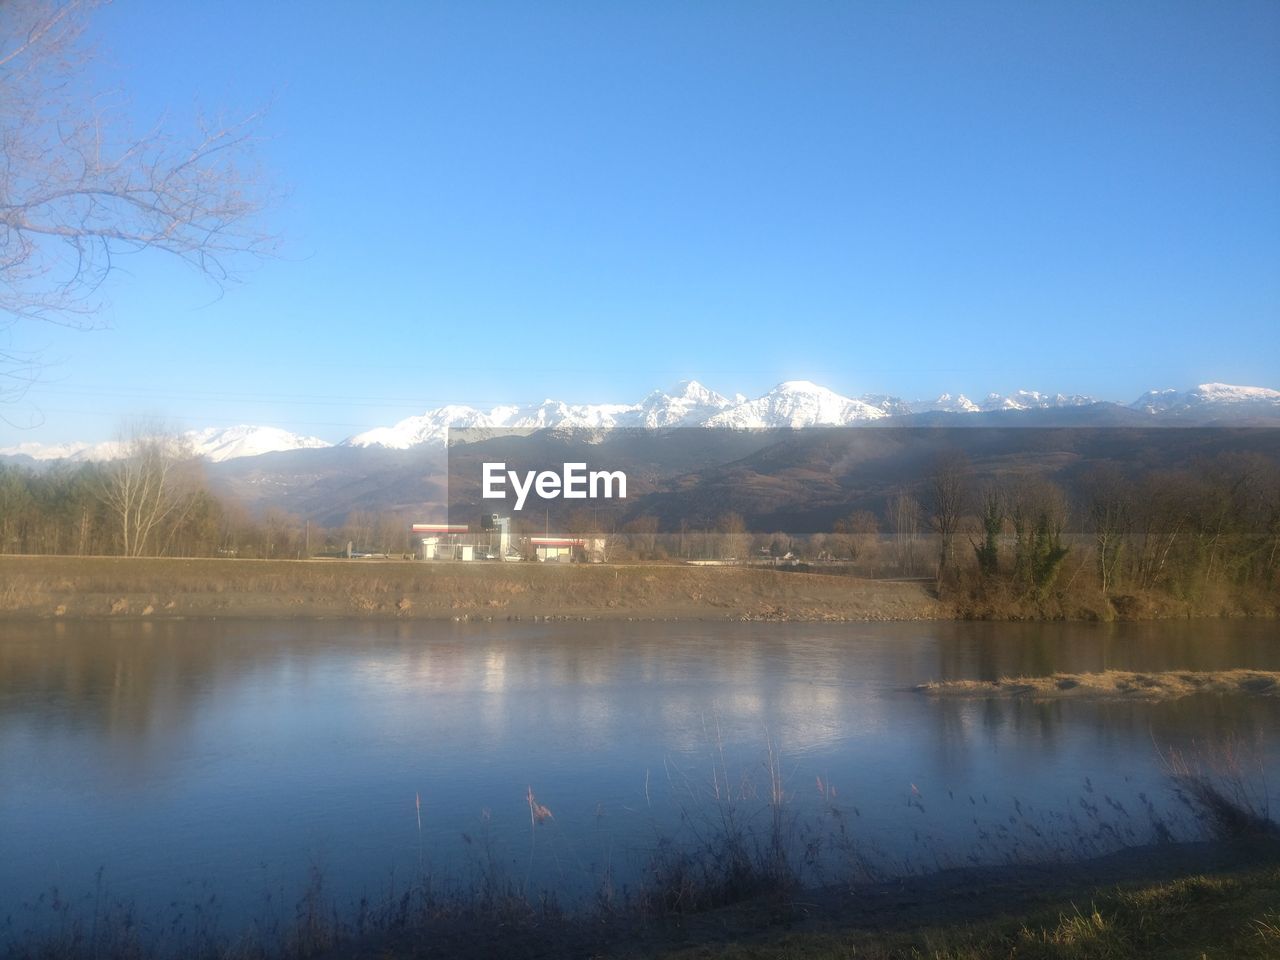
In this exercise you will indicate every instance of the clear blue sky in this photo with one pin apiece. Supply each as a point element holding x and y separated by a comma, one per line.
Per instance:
<point>505,201</point>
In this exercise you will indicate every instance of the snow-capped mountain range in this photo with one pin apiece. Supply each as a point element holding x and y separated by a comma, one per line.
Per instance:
<point>213,443</point>
<point>795,403</point>
<point>1206,396</point>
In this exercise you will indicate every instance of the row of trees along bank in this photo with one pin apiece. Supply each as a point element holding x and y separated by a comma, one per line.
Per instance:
<point>1211,528</point>
<point>1018,538</point>
<point>154,502</point>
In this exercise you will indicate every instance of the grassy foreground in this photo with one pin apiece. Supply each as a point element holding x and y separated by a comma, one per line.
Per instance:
<point>114,587</point>
<point>1229,913</point>
<point>1215,916</point>
<point>1222,914</point>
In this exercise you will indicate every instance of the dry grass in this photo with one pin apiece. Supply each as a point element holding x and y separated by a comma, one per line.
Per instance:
<point>737,867</point>
<point>119,587</point>
<point>1166,685</point>
<point>1225,917</point>
<point>1224,785</point>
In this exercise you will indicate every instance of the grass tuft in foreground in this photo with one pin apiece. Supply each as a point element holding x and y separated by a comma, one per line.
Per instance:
<point>1217,785</point>
<point>744,870</point>
<point>1232,917</point>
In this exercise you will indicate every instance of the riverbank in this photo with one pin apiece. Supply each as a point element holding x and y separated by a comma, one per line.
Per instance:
<point>1200,899</point>
<point>1217,899</point>
<point>1194,900</point>
<point>1207,899</point>
<point>1232,915</point>
<point>120,588</point>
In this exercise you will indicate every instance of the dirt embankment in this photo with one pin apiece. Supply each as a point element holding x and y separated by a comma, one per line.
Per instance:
<point>110,587</point>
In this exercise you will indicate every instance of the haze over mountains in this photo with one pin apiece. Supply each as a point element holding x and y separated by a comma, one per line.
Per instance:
<point>795,403</point>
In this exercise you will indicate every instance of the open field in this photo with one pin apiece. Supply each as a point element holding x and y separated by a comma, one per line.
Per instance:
<point>1166,685</point>
<point>71,587</point>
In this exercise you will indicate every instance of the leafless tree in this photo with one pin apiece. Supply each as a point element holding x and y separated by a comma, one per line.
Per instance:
<point>818,546</point>
<point>391,534</point>
<point>904,518</point>
<point>1110,511</point>
<point>857,535</point>
<point>735,542</point>
<point>948,493</point>
<point>150,489</point>
<point>1164,513</point>
<point>642,532</point>
<point>1038,513</point>
<point>361,530</point>
<point>79,188</point>
<point>992,504</point>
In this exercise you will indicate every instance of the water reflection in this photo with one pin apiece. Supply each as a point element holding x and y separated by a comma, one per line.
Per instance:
<point>240,752</point>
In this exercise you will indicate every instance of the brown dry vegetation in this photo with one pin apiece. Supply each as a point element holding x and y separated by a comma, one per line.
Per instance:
<point>1229,916</point>
<point>1078,597</point>
<point>119,587</point>
<point>1168,685</point>
<point>159,588</point>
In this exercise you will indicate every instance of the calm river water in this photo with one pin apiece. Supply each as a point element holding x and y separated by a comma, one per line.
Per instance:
<point>190,759</point>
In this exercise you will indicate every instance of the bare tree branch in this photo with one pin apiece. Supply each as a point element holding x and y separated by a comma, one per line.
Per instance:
<point>79,189</point>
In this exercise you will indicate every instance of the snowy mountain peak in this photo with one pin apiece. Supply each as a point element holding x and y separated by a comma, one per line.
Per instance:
<point>1207,397</point>
<point>75,451</point>
<point>212,443</point>
<point>687,404</point>
<point>792,403</point>
<point>796,403</point>
<point>1229,393</point>
<point>802,386</point>
<point>1018,400</point>
<point>1033,400</point>
<point>945,403</point>
<point>227,443</point>
<point>555,413</point>
<point>430,427</point>
<point>694,391</point>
